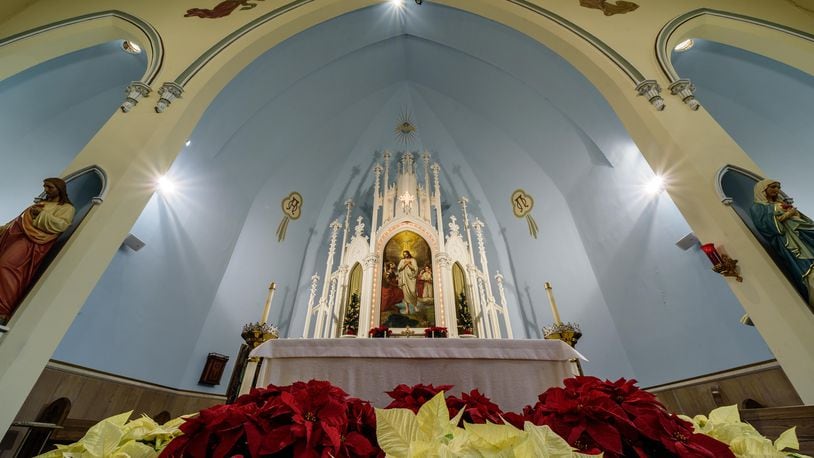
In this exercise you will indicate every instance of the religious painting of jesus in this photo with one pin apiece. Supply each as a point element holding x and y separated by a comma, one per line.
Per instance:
<point>407,283</point>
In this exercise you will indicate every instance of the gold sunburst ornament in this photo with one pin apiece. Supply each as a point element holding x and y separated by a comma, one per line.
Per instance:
<point>405,129</point>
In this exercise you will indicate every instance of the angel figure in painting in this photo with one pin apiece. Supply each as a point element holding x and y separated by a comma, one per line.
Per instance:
<point>407,271</point>
<point>789,232</point>
<point>425,291</point>
<point>25,241</point>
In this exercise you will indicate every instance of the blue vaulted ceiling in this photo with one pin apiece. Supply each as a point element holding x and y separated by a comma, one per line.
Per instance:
<point>499,112</point>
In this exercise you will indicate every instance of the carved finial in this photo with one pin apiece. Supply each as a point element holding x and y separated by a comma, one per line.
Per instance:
<point>454,229</point>
<point>359,228</point>
<point>336,225</point>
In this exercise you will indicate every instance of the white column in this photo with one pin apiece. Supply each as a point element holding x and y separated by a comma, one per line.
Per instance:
<point>504,307</point>
<point>484,264</point>
<point>478,317</point>
<point>367,319</point>
<point>311,296</point>
<point>387,204</point>
<point>436,199</point>
<point>322,305</point>
<point>377,202</point>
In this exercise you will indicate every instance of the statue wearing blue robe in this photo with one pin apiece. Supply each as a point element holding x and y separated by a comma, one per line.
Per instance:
<point>790,234</point>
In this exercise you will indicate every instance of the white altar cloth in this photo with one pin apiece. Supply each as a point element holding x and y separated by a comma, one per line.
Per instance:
<point>510,372</point>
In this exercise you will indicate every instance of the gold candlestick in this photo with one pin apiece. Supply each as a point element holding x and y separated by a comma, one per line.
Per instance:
<point>553,303</point>
<point>267,308</point>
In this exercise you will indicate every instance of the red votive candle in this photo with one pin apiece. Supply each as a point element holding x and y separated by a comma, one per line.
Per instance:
<point>712,253</point>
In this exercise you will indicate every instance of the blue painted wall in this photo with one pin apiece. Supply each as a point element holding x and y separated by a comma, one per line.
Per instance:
<point>309,117</point>
<point>49,112</point>
<point>764,105</point>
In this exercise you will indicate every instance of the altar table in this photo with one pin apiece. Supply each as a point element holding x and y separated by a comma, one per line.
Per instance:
<point>510,372</point>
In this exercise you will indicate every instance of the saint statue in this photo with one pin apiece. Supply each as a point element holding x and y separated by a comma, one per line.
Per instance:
<point>407,271</point>
<point>425,277</point>
<point>789,232</point>
<point>25,241</point>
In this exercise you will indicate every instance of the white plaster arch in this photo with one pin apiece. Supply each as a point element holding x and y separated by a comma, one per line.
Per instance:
<point>34,46</point>
<point>777,41</point>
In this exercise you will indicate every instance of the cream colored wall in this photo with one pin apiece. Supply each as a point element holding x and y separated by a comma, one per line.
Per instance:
<point>689,147</point>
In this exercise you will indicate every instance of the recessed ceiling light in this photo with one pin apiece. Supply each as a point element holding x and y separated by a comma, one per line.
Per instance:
<point>684,45</point>
<point>131,47</point>
<point>397,3</point>
<point>189,142</point>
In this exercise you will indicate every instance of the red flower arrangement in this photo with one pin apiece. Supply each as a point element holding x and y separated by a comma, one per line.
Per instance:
<point>310,419</point>
<point>380,331</point>
<point>435,331</point>
<point>317,419</point>
<point>617,418</point>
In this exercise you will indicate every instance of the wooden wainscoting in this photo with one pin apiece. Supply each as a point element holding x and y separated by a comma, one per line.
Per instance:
<point>763,382</point>
<point>97,395</point>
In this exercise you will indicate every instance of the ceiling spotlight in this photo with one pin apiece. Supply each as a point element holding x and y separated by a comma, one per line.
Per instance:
<point>165,185</point>
<point>418,2</point>
<point>684,45</point>
<point>655,186</point>
<point>397,3</point>
<point>131,47</point>
<point>189,142</point>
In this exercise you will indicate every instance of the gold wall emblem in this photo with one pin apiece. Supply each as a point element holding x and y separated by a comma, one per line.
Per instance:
<point>522,203</point>
<point>292,209</point>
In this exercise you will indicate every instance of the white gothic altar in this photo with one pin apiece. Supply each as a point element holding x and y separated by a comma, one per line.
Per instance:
<point>406,272</point>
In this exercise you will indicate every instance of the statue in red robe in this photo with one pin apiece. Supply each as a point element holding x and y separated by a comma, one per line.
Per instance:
<point>25,241</point>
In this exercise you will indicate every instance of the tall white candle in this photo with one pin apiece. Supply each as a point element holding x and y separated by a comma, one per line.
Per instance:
<point>267,308</point>
<point>553,303</point>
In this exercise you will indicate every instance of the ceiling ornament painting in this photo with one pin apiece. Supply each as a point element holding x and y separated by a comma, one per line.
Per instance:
<point>405,130</point>
<point>222,9</point>
<point>609,8</point>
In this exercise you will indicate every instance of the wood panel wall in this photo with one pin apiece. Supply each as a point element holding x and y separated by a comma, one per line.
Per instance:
<point>765,383</point>
<point>95,395</point>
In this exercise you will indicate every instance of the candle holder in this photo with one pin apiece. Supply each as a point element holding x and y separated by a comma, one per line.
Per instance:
<point>566,332</point>
<point>256,333</point>
<point>721,263</point>
<point>253,334</point>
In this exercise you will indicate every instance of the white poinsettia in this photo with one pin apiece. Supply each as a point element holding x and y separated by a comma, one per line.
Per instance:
<point>115,437</point>
<point>431,434</point>
<point>724,424</point>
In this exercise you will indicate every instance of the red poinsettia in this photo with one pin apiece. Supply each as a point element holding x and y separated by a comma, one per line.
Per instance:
<point>618,419</point>
<point>310,419</point>
<point>413,397</point>
<point>477,408</point>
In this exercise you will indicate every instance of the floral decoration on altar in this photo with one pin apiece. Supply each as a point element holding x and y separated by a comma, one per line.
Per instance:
<point>435,332</point>
<point>380,331</point>
<point>586,417</point>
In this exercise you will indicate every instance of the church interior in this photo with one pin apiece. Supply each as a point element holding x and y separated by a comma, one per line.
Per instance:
<point>603,153</point>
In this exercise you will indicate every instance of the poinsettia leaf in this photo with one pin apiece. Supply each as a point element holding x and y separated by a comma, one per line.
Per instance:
<point>133,449</point>
<point>725,414</point>
<point>492,438</point>
<point>606,436</point>
<point>395,430</point>
<point>433,419</point>
<point>787,439</point>
<point>748,446</point>
<point>546,442</point>
<point>103,437</point>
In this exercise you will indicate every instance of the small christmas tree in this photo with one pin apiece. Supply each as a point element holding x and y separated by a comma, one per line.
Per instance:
<point>351,324</point>
<point>464,317</point>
